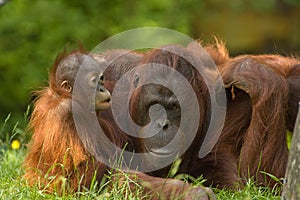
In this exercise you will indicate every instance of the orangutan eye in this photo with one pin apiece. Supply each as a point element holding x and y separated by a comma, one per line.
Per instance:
<point>175,107</point>
<point>101,78</point>
<point>136,80</point>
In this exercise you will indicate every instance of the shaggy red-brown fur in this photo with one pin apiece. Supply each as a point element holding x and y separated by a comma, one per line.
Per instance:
<point>262,100</point>
<point>58,160</point>
<point>56,153</point>
<point>263,93</point>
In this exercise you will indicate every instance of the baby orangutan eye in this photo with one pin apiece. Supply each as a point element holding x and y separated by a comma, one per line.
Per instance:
<point>101,78</point>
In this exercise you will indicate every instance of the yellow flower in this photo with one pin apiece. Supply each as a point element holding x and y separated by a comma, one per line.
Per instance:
<point>15,144</point>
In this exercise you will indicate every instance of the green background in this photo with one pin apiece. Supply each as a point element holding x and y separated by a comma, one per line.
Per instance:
<point>33,32</point>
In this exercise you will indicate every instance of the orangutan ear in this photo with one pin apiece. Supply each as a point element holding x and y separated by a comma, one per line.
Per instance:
<point>66,86</point>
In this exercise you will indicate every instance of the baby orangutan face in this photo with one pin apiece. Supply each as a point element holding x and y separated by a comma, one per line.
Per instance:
<point>89,80</point>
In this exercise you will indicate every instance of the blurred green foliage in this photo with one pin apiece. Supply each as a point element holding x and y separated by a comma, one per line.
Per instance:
<point>32,32</point>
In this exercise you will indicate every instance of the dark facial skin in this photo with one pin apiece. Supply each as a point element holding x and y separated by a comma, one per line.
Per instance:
<point>170,104</point>
<point>156,108</point>
<point>161,123</point>
<point>161,138</point>
<point>86,71</point>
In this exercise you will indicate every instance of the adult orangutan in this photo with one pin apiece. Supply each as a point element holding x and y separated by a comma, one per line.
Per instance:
<point>65,140</point>
<point>164,124</point>
<point>263,89</point>
<point>262,98</point>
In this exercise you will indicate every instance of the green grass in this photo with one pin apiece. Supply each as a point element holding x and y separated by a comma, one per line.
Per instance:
<point>12,186</point>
